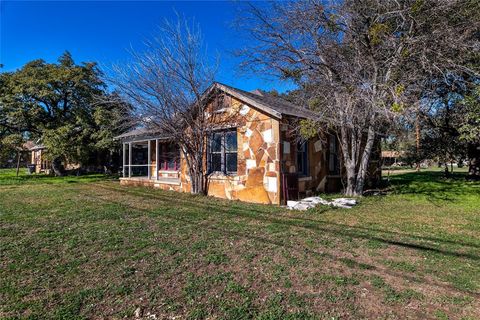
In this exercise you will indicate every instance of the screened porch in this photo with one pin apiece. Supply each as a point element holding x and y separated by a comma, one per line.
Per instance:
<point>151,160</point>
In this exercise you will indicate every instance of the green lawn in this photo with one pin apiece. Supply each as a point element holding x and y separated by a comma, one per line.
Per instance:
<point>85,247</point>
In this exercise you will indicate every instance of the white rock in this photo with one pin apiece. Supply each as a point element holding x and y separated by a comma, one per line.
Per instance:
<point>244,110</point>
<point>303,206</point>
<point>312,202</point>
<point>291,203</point>
<point>138,312</point>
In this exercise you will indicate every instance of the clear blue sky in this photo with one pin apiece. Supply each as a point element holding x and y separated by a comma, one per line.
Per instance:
<point>103,31</point>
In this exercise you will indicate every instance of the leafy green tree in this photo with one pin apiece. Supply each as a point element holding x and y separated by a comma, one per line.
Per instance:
<point>58,103</point>
<point>470,131</point>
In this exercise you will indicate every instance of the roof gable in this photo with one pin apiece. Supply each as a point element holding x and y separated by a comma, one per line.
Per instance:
<point>273,106</point>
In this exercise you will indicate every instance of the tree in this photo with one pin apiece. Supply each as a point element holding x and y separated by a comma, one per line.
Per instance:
<point>56,103</point>
<point>361,63</point>
<point>469,131</point>
<point>14,145</point>
<point>165,84</point>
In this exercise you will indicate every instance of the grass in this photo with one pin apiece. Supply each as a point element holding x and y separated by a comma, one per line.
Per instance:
<point>85,247</point>
<point>9,177</point>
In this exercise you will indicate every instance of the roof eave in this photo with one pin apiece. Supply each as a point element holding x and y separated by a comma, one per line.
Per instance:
<point>252,102</point>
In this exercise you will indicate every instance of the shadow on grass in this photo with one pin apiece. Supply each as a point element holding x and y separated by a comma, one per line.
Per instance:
<point>435,186</point>
<point>287,220</point>
<point>267,217</point>
<point>8,177</point>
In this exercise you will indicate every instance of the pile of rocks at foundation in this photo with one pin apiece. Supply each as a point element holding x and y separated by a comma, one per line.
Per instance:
<point>312,202</point>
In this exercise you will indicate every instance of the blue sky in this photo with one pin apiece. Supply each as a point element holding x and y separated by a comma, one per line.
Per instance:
<point>103,31</point>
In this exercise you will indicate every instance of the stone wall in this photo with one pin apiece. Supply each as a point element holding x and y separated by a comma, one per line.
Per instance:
<point>318,178</point>
<point>258,159</point>
<point>266,148</point>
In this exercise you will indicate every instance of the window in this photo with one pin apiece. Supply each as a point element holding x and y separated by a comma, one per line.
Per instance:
<point>169,156</point>
<point>302,158</point>
<point>223,152</point>
<point>333,163</point>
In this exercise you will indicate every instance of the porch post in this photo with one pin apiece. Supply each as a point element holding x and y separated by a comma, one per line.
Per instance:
<point>157,158</point>
<point>123,159</point>
<point>149,161</point>
<point>129,159</point>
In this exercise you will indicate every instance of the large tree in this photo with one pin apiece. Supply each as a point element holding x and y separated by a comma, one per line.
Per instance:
<point>56,103</point>
<point>361,63</point>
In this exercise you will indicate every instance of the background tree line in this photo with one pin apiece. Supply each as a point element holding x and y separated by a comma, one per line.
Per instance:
<point>57,105</point>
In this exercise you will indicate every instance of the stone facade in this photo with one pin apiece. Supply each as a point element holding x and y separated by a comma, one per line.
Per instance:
<point>258,158</point>
<point>266,149</point>
<point>318,177</point>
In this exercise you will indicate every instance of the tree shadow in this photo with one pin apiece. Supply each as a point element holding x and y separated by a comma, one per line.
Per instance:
<point>208,211</point>
<point>435,186</point>
<point>254,213</point>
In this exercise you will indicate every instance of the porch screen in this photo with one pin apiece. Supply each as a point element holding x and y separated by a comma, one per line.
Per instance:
<point>223,152</point>
<point>169,156</point>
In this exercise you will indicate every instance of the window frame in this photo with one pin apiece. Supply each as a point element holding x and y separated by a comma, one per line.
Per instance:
<point>223,151</point>
<point>169,156</point>
<point>304,159</point>
<point>333,159</point>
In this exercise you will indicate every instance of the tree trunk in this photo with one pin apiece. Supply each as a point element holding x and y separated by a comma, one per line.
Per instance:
<point>57,167</point>
<point>446,172</point>
<point>364,162</point>
<point>18,162</point>
<point>195,171</point>
<point>350,170</point>
<point>197,183</point>
<point>417,140</point>
<point>350,151</point>
<point>349,159</point>
<point>474,162</point>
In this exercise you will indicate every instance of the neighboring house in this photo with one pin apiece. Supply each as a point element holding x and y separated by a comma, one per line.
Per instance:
<point>390,158</point>
<point>259,159</point>
<point>42,165</point>
<point>39,158</point>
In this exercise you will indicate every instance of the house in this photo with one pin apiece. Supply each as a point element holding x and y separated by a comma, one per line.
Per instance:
<point>38,159</point>
<point>390,158</point>
<point>259,159</point>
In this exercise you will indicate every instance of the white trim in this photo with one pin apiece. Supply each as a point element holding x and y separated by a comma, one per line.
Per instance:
<point>124,154</point>
<point>149,161</point>
<point>129,159</point>
<point>304,178</point>
<point>157,156</point>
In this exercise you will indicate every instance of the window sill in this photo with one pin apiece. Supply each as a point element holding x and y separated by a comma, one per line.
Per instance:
<point>223,176</point>
<point>223,110</point>
<point>304,178</point>
<point>334,176</point>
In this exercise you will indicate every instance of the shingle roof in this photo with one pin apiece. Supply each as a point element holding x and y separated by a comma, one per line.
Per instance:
<point>269,103</point>
<point>139,134</point>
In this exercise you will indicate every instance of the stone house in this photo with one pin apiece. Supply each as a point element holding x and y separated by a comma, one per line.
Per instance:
<point>258,159</point>
<point>39,158</point>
